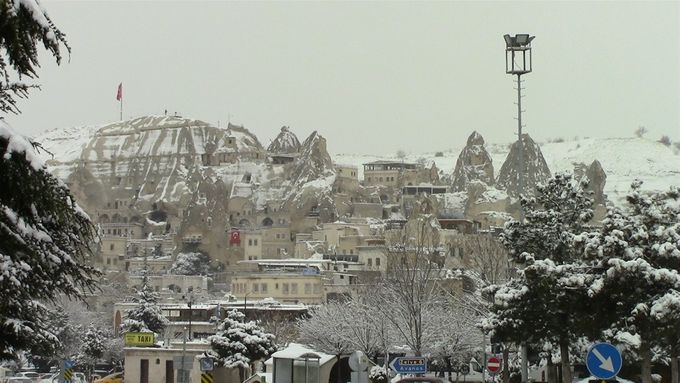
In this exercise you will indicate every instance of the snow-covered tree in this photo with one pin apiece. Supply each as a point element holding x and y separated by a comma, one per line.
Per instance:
<point>239,344</point>
<point>147,315</point>
<point>67,331</point>
<point>44,240</point>
<point>638,253</point>
<point>25,24</point>
<point>44,235</point>
<point>191,264</point>
<point>94,344</point>
<point>541,304</point>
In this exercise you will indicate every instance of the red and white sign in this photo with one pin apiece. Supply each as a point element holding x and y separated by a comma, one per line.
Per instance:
<point>235,237</point>
<point>494,365</point>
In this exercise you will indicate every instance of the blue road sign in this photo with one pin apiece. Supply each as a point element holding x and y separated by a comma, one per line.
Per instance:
<point>409,365</point>
<point>604,360</point>
<point>69,363</point>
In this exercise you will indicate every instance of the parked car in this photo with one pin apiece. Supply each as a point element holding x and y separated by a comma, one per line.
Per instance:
<point>113,378</point>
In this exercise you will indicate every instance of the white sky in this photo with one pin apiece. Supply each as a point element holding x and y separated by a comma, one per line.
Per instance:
<point>371,77</point>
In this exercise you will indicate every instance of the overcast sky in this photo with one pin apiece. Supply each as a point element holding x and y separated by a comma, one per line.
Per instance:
<point>371,77</point>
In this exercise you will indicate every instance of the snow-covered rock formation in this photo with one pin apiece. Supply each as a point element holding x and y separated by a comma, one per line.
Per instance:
<point>535,168</point>
<point>474,164</point>
<point>286,142</point>
<point>312,180</point>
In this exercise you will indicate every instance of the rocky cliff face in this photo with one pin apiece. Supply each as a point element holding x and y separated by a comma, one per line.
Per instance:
<point>535,168</point>
<point>145,159</point>
<point>286,142</point>
<point>474,164</point>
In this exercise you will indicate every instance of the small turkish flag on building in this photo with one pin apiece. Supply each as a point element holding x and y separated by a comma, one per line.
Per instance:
<point>119,95</point>
<point>235,237</point>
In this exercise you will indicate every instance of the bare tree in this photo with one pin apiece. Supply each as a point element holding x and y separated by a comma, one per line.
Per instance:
<point>482,253</point>
<point>409,287</point>
<point>665,140</point>
<point>640,131</point>
<point>340,328</point>
<point>457,334</point>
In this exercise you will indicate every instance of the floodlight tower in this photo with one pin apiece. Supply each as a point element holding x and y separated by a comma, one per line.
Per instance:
<point>518,62</point>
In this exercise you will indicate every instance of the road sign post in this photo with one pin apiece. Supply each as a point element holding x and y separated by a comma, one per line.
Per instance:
<point>409,365</point>
<point>207,377</point>
<point>494,365</point>
<point>604,361</point>
<point>66,374</point>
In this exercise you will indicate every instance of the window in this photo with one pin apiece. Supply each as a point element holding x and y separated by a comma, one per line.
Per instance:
<point>111,247</point>
<point>263,287</point>
<point>370,262</point>
<point>254,242</point>
<point>256,288</point>
<point>377,262</point>
<point>317,288</point>
<point>294,288</point>
<point>250,242</point>
<point>308,288</point>
<point>276,286</point>
<point>285,288</point>
<point>108,261</point>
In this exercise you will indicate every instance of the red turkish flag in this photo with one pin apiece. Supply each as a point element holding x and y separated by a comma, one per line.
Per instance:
<point>119,95</point>
<point>235,237</point>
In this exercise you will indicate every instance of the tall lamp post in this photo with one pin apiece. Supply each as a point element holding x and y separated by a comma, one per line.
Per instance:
<point>518,62</point>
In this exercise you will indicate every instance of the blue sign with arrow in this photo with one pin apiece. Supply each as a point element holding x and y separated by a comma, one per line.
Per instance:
<point>604,361</point>
<point>409,365</point>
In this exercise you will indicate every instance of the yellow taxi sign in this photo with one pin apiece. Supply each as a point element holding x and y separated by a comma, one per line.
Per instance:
<point>139,339</point>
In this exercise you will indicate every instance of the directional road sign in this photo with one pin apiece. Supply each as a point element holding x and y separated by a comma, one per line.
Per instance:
<point>604,360</point>
<point>494,365</point>
<point>207,364</point>
<point>409,365</point>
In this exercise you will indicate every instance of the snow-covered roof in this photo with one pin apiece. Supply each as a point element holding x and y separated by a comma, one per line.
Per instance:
<point>298,351</point>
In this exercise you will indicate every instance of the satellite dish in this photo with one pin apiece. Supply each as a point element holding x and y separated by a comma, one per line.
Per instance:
<point>358,361</point>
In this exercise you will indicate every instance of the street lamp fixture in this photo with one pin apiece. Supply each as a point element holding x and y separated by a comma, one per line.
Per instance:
<point>518,53</point>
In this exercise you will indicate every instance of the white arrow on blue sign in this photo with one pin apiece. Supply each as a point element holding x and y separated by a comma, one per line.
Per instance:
<point>409,365</point>
<point>604,361</point>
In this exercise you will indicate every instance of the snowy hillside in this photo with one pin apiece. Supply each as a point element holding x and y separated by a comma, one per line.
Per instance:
<point>623,159</point>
